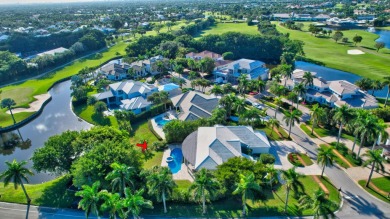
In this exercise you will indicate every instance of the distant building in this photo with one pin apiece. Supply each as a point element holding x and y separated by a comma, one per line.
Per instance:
<point>209,147</point>
<point>148,66</point>
<point>252,68</point>
<point>333,93</point>
<point>204,54</point>
<point>115,71</point>
<point>53,51</point>
<point>128,95</point>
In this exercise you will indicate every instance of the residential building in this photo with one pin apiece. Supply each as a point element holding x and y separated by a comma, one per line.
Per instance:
<point>148,66</point>
<point>230,72</point>
<point>115,71</point>
<point>209,147</point>
<point>193,105</point>
<point>53,51</point>
<point>332,93</point>
<point>128,95</point>
<point>204,54</point>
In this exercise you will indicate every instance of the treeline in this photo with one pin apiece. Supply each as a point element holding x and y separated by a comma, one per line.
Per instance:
<point>14,68</point>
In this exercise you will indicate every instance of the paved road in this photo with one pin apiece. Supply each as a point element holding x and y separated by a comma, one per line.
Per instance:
<point>357,203</point>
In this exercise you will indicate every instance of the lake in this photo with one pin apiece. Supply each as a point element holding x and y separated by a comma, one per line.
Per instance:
<point>56,118</point>
<point>331,74</point>
<point>384,36</point>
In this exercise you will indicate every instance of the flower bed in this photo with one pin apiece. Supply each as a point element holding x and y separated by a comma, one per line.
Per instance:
<point>294,160</point>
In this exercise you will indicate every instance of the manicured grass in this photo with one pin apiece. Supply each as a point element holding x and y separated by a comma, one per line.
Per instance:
<point>88,114</point>
<point>373,192</point>
<point>334,55</point>
<point>155,160</point>
<point>274,136</point>
<point>221,28</point>
<point>382,183</point>
<point>306,159</point>
<point>6,119</point>
<point>305,128</point>
<point>271,205</point>
<point>51,194</point>
<point>183,184</point>
<point>141,132</point>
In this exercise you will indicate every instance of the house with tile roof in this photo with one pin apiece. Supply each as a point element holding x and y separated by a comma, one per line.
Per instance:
<point>230,72</point>
<point>128,95</point>
<point>204,54</point>
<point>115,71</point>
<point>142,68</point>
<point>209,147</point>
<point>193,105</point>
<point>332,93</point>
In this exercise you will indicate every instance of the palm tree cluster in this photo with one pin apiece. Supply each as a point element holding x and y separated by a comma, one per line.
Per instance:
<point>367,84</point>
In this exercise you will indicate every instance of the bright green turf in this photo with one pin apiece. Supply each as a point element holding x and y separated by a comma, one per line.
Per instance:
<point>221,28</point>
<point>385,186</point>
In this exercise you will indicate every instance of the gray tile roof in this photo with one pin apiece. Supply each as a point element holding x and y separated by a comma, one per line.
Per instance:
<point>104,95</point>
<point>131,86</point>
<point>135,103</point>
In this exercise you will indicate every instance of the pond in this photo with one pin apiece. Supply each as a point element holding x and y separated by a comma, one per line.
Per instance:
<point>56,118</point>
<point>384,36</point>
<point>330,74</point>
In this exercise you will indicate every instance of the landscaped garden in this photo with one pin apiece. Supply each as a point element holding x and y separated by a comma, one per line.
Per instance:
<point>379,187</point>
<point>299,159</point>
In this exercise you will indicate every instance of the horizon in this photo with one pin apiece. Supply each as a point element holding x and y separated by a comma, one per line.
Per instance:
<point>26,2</point>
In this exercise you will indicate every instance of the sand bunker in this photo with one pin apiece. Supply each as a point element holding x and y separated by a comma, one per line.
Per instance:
<point>34,106</point>
<point>355,52</point>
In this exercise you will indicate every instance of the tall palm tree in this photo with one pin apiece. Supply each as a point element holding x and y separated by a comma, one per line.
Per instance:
<point>290,117</point>
<point>366,129</point>
<point>259,85</point>
<point>172,64</point>
<point>134,203</point>
<point>278,102</point>
<point>375,158</point>
<point>300,90</point>
<point>191,63</point>
<point>376,85</point>
<point>325,157</point>
<point>291,178</point>
<point>8,103</point>
<point>251,116</point>
<point>192,75</point>
<point>239,105</point>
<point>386,82</point>
<point>90,198</point>
<point>319,203</point>
<point>161,184</point>
<point>342,116</point>
<point>379,132</point>
<point>179,69</point>
<point>120,177</point>
<point>317,114</point>
<point>273,123</point>
<point>204,186</point>
<point>243,83</point>
<point>286,72</point>
<point>227,102</point>
<point>272,174</point>
<point>219,116</point>
<point>245,188</point>
<point>112,204</point>
<point>16,173</point>
<point>308,78</point>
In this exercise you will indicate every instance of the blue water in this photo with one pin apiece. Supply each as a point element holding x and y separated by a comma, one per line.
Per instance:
<point>175,165</point>
<point>384,36</point>
<point>170,86</point>
<point>331,74</point>
<point>161,121</point>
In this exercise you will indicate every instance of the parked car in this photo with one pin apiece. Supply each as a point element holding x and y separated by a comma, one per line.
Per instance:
<point>248,102</point>
<point>253,93</point>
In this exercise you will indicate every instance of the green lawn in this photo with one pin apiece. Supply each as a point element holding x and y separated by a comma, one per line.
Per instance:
<point>307,130</point>
<point>275,136</point>
<point>272,205</point>
<point>307,159</point>
<point>334,55</point>
<point>88,114</point>
<point>51,194</point>
<point>221,28</point>
<point>337,159</point>
<point>382,183</point>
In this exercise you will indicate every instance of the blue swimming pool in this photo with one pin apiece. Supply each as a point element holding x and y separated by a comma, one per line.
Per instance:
<point>175,164</point>
<point>161,121</point>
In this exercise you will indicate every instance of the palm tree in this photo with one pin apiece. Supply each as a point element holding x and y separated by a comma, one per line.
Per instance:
<point>376,85</point>
<point>375,158</point>
<point>8,103</point>
<point>91,197</point>
<point>16,173</point>
<point>192,75</point>
<point>251,116</point>
<point>179,69</point>
<point>319,203</point>
<point>191,63</point>
<point>243,83</point>
<point>317,114</point>
<point>259,85</point>
<point>286,72</point>
<point>120,176</point>
<point>291,178</point>
<point>134,203</point>
<point>342,115</point>
<point>218,116</point>
<point>300,90</point>
<point>325,158</point>
<point>245,188</point>
<point>272,174</point>
<point>292,96</point>
<point>380,132</point>
<point>204,186</point>
<point>278,102</point>
<point>161,184</point>
<point>386,82</point>
<point>217,90</point>
<point>172,64</point>
<point>308,78</point>
<point>367,128</point>
<point>273,123</point>
<point>239,105</point>
<point>112,204</point>
<point>227,102</point>
<point>290,117</point>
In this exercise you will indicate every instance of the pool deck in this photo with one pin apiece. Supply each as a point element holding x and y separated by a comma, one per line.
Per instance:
<point>158,129</point>
<point>183,172</point>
